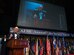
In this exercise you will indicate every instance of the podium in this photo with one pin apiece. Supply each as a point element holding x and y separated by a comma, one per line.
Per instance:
<point>16,46</point>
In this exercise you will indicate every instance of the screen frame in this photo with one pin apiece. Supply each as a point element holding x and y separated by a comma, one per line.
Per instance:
<point>39,27</point>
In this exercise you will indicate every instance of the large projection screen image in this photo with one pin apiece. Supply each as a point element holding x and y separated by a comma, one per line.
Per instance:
<point>41,15</point>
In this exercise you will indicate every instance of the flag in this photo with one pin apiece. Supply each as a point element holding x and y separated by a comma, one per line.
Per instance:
<point>41,47</point>
<point>59,45</point>
<point>54,46</point>
<point>64,46</point>
<point>48,48</point>
<point>54,42</point>
<point>57,50</point>
<point>33,47</point>
<point>36,52</point>
<point>27,49</point>
<point>63,42</point>
<point>41,50</point>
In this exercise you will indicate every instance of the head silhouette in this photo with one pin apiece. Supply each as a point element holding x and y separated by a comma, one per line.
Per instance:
<point>15,29</point>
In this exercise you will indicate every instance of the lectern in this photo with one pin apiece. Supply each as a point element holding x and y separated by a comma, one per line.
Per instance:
<point>16,46</point>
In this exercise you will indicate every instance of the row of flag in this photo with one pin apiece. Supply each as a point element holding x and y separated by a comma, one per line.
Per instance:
<point>40,47</point>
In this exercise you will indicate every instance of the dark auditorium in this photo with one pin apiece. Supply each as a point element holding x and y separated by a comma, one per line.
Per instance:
<point>36,27</point>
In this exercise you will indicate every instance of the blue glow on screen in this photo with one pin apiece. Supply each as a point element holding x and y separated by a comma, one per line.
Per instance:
<point>32,5</point>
